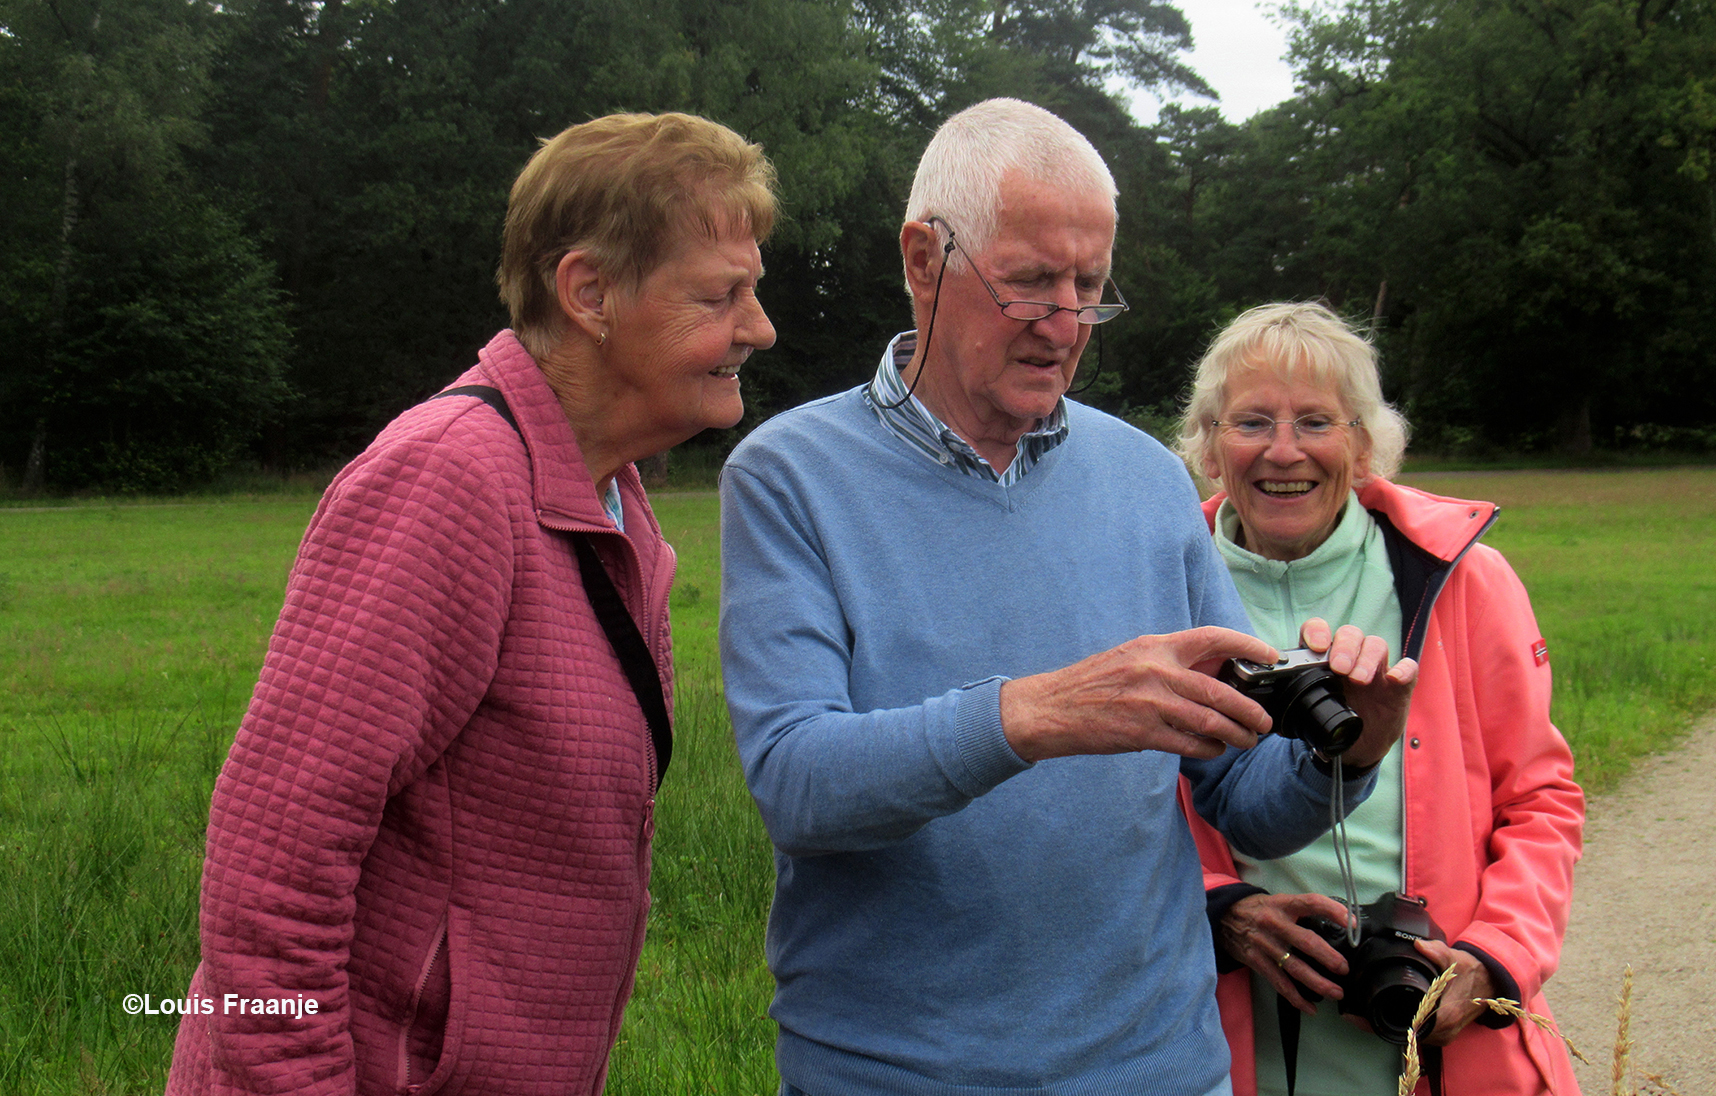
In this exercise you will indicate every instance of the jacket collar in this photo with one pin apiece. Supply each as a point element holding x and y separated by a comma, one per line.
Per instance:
<point>562,490</point>
<point>1444,527</point>
<point>1426,536</point>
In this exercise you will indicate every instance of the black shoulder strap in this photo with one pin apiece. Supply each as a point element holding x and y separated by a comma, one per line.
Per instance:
<point>629,645</point>
<point>490,396</point>
<point>622,630</point>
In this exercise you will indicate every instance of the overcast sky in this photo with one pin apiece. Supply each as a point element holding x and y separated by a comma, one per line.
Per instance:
<point>1239,51</point>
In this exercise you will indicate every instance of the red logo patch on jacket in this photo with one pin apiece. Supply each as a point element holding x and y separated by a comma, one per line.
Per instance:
<point>1540,652</point>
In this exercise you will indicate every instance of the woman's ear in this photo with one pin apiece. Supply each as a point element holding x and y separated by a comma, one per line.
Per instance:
<point>1212,470</point>
<point>1361,462</point>
<point>582,291</point>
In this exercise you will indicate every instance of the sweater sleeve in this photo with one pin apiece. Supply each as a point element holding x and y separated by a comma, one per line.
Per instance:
<point>1273,799</point>
<point>1537,811</point>
<point>387,643</point>
<point>825,777</point>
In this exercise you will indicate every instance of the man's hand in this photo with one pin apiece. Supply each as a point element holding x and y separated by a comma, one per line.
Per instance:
<point>1149,693</point>
<point>1381,695</point>
<point>1262,931</point>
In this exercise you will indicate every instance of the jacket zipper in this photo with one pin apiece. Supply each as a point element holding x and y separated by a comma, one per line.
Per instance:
<point>416,1004</point>
<point>1427,604</point>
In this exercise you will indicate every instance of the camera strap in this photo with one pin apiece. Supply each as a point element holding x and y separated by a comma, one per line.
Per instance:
<point>621,630</point>
<point>1343,849</point>
<point>1288,1020</point>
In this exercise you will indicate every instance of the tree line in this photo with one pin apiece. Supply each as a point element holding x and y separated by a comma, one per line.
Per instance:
<point>254,231</point>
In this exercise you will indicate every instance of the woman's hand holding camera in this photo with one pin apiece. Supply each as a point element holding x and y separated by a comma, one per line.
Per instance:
<point>1263,932</point>
<point>1458,1006</point>
<point>1378,693</point>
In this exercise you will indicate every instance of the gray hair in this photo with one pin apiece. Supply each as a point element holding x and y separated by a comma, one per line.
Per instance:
<point>959,176</point>
<point>1307,340</point>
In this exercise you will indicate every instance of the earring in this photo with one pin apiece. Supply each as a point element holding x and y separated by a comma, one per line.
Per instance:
<point>602,337</point>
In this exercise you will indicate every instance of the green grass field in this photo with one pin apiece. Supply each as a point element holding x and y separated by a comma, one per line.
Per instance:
<point>130,637</point>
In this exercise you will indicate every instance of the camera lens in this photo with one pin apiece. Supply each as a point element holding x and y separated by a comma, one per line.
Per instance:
<point>1316,711</point>
<point>1395,993</point>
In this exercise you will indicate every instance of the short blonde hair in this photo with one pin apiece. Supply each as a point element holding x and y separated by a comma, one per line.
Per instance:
<point>1303,339</point>
<point>619,187</point>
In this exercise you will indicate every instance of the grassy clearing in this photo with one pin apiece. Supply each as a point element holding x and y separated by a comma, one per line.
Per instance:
<point>130,638</point>
<point>1618,567</point>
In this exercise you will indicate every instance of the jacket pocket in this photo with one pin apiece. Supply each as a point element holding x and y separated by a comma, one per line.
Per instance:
<point>640,923</point>
<point>429,1039</point>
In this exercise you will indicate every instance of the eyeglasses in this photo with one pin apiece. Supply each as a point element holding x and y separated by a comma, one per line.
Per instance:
<point>1031,311</point>
<point>1255,428</point>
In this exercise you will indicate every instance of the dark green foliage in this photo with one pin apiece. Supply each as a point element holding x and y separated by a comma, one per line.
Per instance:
<point>170,360</point>
<point>145,337</point>
<point>1517,197</point>
<point>258,230</point>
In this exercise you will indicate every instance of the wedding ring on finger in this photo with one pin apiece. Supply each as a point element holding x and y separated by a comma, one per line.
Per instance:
<point>1286,955</point>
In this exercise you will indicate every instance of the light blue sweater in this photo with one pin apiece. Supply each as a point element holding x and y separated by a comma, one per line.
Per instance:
<point>948,920</point>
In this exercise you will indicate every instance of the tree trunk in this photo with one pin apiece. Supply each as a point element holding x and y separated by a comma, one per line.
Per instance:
<point>1573,425</point>
<point>35,467</point>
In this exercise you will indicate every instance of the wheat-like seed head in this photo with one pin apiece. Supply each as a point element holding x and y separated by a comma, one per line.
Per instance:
<point>1512,1008</point>
<point>1655,1080</point>
<point>1432,996</point>
<point>1623,1038</point>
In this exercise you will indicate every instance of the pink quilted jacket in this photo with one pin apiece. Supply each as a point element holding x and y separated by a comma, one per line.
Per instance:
<point>436,818</point>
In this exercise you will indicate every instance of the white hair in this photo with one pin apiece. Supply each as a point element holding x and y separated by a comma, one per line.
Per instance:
<point>1297,338</point>
<point>959,177</point>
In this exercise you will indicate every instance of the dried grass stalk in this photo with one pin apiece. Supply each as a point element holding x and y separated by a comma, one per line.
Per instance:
<point>1623,1036</point>
<point>1660,1086</point>
<point>1432,996</point>
<point>1544,1023</point>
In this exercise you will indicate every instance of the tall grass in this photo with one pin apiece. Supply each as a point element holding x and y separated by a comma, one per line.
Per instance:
<point>130,639</point>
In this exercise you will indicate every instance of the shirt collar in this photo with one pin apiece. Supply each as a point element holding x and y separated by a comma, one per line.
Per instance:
<point>918,427</point>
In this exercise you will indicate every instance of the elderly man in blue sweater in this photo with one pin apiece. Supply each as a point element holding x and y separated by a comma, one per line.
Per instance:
<point>968,629</point>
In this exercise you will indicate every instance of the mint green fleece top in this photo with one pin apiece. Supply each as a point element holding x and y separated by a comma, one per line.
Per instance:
<point>1346,580</point>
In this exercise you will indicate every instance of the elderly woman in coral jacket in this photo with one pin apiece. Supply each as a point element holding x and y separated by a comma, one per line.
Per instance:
<point>1475,810</point>
<point>430,843</point>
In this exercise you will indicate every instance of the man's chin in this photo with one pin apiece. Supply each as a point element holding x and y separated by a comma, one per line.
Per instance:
<point>1035,405</point>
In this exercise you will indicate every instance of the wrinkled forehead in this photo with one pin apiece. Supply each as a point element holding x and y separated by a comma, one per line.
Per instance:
<point>1290,363</point>
<point>1065,225</point>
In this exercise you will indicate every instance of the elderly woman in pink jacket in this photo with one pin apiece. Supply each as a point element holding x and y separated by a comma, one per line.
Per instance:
<point>1475,811</point>
<point>428,852</point>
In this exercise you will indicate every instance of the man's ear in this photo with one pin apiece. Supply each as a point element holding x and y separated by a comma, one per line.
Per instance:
<point>582,291</point>
<point>923,255</point>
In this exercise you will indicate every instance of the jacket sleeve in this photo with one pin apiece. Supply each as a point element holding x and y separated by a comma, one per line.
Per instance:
<point>1537,811</point>
<point>825,777</point>
<point>387,643</point>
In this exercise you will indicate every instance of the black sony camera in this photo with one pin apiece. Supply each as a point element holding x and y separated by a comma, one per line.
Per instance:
<point>1303,697</point>
<point>1386,976</point>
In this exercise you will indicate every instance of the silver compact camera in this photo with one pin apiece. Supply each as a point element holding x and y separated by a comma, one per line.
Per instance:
<point>1303,697</point>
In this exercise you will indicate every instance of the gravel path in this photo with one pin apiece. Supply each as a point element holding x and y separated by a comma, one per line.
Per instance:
<point>1645,895</point>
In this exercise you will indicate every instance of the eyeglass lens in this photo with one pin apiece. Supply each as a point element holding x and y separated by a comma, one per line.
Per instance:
<point>1257,428</point>
<point>1031,311</point>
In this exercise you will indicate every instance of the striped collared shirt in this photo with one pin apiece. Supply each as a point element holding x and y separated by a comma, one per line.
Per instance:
<point>913,423</point>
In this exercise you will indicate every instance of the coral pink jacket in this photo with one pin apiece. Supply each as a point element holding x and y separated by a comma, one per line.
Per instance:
<point>1493,818</point>
<point>436,818</point>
